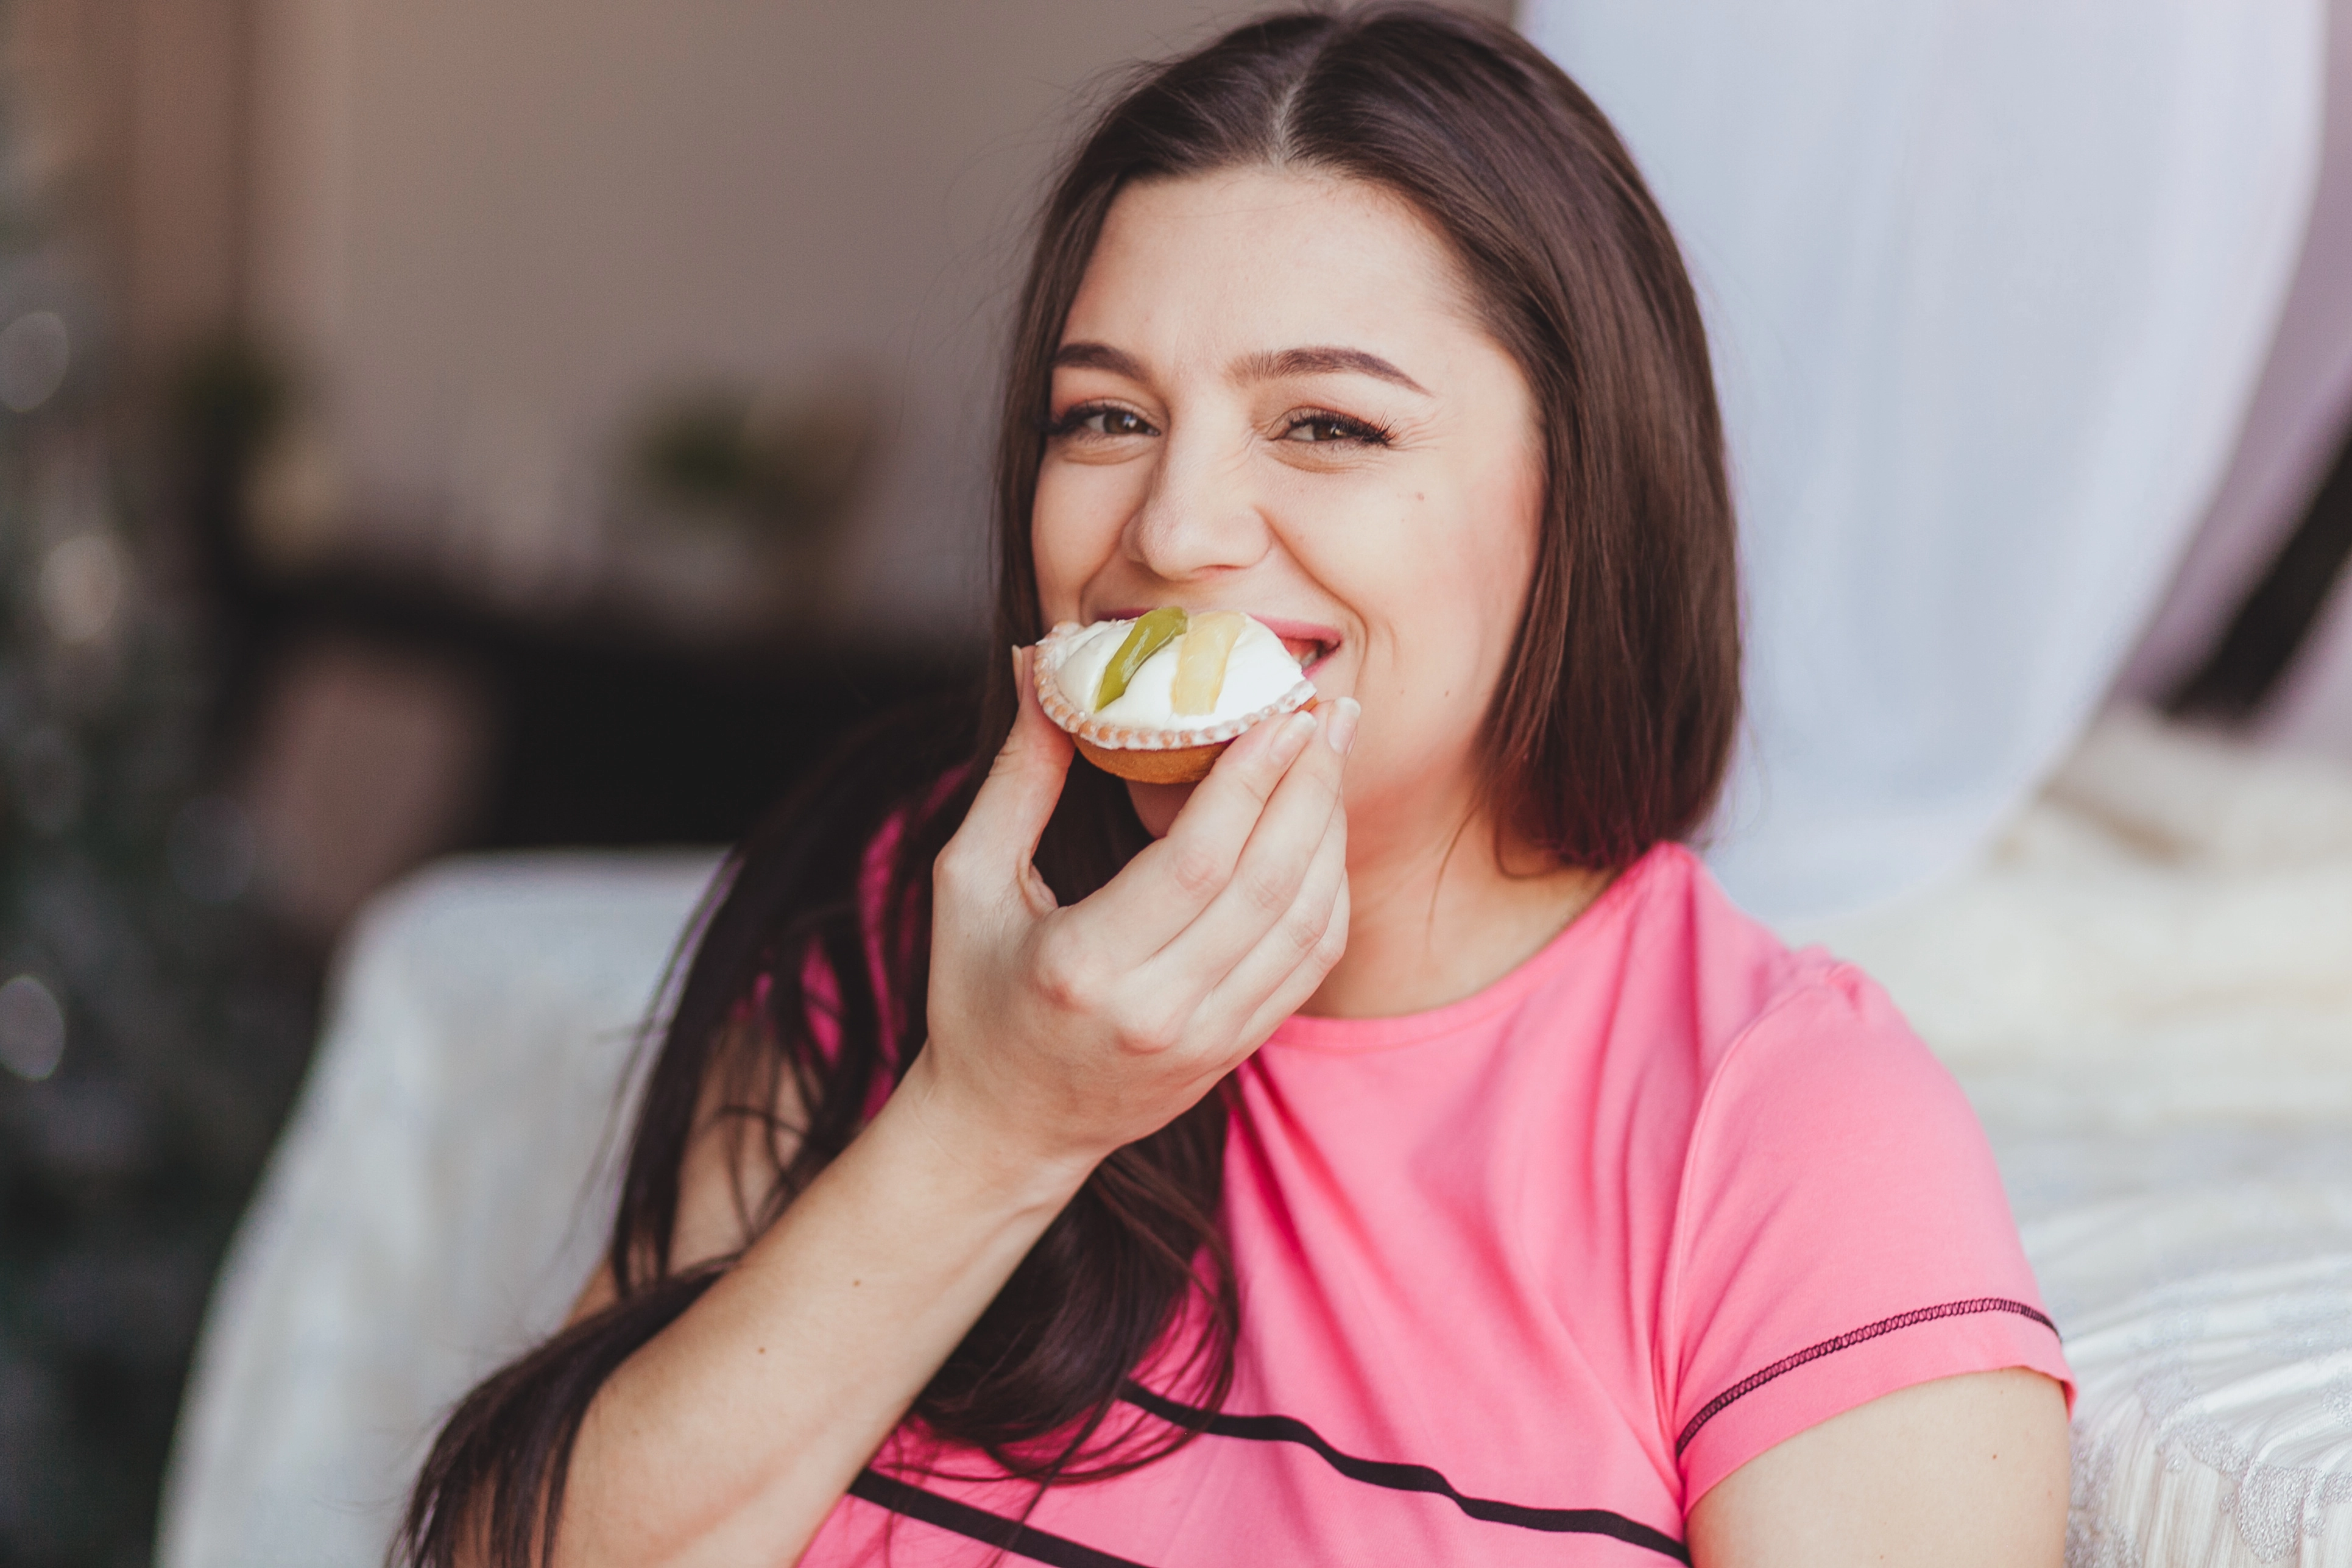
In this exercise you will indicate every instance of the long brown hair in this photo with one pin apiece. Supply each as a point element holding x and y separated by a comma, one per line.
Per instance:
<point>1610,733</point>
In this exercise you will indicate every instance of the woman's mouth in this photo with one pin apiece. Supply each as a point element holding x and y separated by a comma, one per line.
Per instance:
<point>1308,642</point>
<point>1307,652</point>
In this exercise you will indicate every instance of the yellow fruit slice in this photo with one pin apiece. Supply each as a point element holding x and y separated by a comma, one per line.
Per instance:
<point>1201,662</point>
<point>1154,630</point>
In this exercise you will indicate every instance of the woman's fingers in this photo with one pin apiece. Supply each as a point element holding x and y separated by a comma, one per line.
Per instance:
<point>1292,955</point>
<point>1264,883</point>
<point>1165,888</point>
<point>991,852</point>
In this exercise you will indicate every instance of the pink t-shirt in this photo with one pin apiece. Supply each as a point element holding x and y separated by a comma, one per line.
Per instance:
<point>1523,1277</point>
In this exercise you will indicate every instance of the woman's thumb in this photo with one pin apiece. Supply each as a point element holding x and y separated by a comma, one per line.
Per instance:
<point>1017,798</point>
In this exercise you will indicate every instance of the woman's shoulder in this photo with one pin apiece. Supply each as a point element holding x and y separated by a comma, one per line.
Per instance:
<point>1723,983</point>
<point>1838,1228</point>
<point>1791,1049</point>
<point>1754,1048</point>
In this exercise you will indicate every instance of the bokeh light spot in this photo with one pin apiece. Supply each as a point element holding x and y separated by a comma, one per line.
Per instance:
<point>35,353</point>
<point>82,587</point>
<point>32,1029</point>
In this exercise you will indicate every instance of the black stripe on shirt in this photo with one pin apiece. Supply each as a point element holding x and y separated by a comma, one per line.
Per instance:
<point>978,1524</point>
<point>1847,1340</point>
<point>1406,1477</point>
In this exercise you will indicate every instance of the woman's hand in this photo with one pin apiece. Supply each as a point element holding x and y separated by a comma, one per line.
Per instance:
<point>1058,1035</point>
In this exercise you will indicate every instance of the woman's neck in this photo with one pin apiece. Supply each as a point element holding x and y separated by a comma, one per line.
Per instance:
<point>1434,920</point>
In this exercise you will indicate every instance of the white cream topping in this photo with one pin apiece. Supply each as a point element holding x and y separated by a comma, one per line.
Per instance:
<point>1259,673</point>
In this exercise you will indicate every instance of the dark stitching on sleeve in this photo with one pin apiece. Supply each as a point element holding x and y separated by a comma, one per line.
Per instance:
<point>1847,1340</point>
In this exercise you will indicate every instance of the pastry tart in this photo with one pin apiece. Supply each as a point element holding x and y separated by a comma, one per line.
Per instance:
<point>1157,697</point>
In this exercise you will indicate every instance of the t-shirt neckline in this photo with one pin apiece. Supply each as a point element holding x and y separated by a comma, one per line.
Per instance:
<point>1302,1032</point>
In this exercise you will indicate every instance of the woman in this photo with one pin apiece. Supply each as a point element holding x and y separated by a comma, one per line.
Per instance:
<point>1393,1149</point>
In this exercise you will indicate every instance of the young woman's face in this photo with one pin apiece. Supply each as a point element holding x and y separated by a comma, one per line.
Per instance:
<point>1273,395</point>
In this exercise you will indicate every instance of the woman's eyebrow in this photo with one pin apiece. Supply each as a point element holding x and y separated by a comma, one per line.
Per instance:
<point>1322,360</point>
<point>1098,356</point>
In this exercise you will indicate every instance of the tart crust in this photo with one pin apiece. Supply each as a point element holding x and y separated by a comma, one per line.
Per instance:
<point>1147,756</point>
<point>1187,764</point>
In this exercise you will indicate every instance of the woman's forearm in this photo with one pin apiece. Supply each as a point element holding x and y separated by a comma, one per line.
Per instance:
<point>729,1438</point>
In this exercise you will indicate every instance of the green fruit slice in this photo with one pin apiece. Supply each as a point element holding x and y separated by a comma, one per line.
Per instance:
<point>1153,631</point>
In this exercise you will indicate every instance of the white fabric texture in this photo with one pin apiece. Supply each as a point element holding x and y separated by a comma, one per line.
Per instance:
<point>2164,937</point>
<point>1989,286</point>
<point>434,1205</point>
<point>2209,1320</point>
<point>2145,990</point>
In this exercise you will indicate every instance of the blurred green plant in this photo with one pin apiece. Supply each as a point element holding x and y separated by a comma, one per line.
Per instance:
<point>781,468</point>
<point>227,397</point>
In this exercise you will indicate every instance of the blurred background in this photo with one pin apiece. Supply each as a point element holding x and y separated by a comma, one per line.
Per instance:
<point>430,424</point>
<point>433,426</point>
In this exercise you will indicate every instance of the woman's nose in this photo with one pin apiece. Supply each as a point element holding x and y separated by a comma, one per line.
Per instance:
<point>1202,513</point>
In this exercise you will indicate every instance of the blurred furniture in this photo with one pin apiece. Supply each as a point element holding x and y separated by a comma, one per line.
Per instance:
<point>377,708</point>
<point>2146,988</point>
<point>436,1202</point>
<point>602,731</point>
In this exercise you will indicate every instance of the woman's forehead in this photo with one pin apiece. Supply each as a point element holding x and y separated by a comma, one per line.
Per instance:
<point>1249,262</point>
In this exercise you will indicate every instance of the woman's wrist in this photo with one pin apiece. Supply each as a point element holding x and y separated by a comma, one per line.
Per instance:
<point>995,1164</point>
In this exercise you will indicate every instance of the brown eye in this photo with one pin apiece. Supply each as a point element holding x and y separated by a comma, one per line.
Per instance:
<point>1102,419</point>
<point>1322,429</point>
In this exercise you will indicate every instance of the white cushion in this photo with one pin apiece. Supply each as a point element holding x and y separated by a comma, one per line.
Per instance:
<point>2203,1279</point>
<point>434,1204</point>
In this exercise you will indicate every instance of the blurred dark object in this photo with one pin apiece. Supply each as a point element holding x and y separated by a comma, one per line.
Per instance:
<point>365,761</point>
<point>383,723</point>
<point>2278,614</point>
<point>226,399</point>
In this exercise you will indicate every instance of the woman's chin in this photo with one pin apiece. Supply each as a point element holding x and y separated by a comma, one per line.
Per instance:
<point>1158,804</point>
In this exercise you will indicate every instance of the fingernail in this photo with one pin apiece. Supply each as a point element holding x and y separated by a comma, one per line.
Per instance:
<point>1340,728</point>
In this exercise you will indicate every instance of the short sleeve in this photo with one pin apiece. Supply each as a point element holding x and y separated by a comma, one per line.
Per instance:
<point>1841,1234</point>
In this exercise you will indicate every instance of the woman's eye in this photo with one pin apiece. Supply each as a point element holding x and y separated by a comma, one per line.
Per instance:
<point>1102,419</point>
<point>1319,429</point>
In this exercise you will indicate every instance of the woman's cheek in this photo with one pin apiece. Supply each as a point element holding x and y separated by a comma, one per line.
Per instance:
<point>1428,727</point>
<point>1055,543</point>
<point>1073,531</point>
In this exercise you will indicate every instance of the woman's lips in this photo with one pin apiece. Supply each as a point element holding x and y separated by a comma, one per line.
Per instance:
<point>1308,642</point>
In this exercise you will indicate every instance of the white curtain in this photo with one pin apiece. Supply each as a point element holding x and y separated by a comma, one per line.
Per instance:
<point>1990,283</point>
